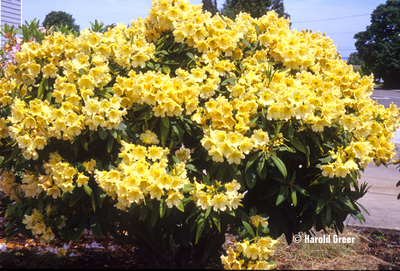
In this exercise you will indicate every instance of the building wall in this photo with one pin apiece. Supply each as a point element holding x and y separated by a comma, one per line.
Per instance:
<point>11,13</point>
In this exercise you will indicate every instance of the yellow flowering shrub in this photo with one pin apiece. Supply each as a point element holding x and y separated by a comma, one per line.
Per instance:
<point>169,131</point>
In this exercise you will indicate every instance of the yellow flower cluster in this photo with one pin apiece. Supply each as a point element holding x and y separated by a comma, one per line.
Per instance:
<point>141,172</point>
<point>167,95</point>
<point>190,24</point>
<point>256,220</point>
<point>233,145</point>
<point>35,222</point>
<point>7,87</point>
<point>8,185</point>
<point>60,177</point>
<point>318,88</point>
<point>84,61</point>
<point>253,254</point>
<point>218,196</point>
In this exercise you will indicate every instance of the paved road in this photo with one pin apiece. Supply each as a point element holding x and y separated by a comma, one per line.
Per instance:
<point>386,97</point>
<point>381,199</point>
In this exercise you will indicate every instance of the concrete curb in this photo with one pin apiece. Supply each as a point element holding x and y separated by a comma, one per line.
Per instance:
<point>383,230</point>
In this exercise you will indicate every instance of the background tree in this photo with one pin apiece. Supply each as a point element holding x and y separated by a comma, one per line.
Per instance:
<point>58,18</point>
<point>256,8</point>
<point>210,6</point>
<point>354,59</point>
<point>379,44</point>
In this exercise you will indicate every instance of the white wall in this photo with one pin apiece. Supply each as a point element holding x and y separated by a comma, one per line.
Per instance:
<point>11,13</point>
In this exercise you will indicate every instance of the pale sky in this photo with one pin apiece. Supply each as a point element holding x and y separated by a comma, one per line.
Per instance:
<point>340,19</point>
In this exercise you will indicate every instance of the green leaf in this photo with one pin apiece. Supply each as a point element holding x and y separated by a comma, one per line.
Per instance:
<point>181,207</point>
<point>301,190</point>
<point>102,133</point>
<point>80,229</point>
<point>171,62</point>
<point>316,140</point>
<point>75,197</point>
<point>253,119</point>
<point>139,107</point>
<point>378,117</point>
<point>208,212</point>
<point>166,69</point>
<point>237,175</point>
<point>74,218</point>
<point>279,164</point>
<point>231,81</point>
<point>93,202</point>
<point>192,168</point>
<point>163,52</point>
<point>216,220</point>
<point>294,197</point>
<point>11,224</point>
<point>178,131</point>
<point>163,207</point>
<point>249,229</point>
<point>12,155</point>
<point>143,212</point>
<point>84,143</point>
<point>41,89</point>
<point>283,70</point>
<point>190,55</point>
<point>290,130</point>
<point>246,43</point>
<point>150,65</point>
<point>251,176</point>
<point>283,193</point>
<point>154,218</point>
<point>321,203</point>
<point>110,144</point>
<point>257,28</point>
<point>200,227</point>
<point>253,158</point>
<point>255,46</point>
<point>192,213</point>
<point>261,168</point>
<point>88,190</point>
<point>114,133</point>
<point>328,214</point>
<point>298,145</point>
<point>164,131</point>
<point>346,202</point>
<point>165,121</point>
<point>9,238</point>
<point>187,188</point>
<point>95,225</point>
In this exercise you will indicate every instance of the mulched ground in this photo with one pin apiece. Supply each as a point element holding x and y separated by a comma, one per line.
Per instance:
<point>94,253</point>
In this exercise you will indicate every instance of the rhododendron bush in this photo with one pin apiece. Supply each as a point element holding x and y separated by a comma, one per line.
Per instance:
<point>182,126</point>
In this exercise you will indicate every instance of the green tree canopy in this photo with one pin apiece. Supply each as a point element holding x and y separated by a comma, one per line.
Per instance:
<point>354,59</point>
<point>210,6</point>
<point>379,44</point>
<point>58,18</point>
<point>256,8</point>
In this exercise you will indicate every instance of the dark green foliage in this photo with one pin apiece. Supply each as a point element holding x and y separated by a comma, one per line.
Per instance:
<point>354,59</point>
<point>256,8</point>
<point>379,44</point>
<point>210,6</point>
<point>59,18</point>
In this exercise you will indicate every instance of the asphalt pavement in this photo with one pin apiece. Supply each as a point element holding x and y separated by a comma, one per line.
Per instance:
<point>381,199</point>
